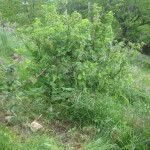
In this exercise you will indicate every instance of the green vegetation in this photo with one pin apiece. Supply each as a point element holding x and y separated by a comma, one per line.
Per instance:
<point>9,141</point>
<point>72,76</point>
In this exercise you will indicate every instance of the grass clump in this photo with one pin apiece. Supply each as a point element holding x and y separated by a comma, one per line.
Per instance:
<point>8,140</point>
<point>100,144</point>
<point>41,142</point>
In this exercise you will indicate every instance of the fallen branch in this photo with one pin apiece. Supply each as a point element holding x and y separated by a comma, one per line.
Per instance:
<point>41,73</point>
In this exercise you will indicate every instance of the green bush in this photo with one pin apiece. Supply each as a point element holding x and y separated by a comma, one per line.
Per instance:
<point>78,54</point>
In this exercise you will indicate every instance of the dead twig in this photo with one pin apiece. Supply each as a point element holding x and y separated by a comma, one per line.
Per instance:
<point>41,73</point>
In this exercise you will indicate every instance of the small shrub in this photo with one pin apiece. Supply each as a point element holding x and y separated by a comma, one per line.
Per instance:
<point>78,54</point>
